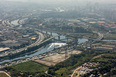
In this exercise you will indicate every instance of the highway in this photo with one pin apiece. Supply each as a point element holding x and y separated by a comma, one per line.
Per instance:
<point>100,36</point>
<point>39,41</point>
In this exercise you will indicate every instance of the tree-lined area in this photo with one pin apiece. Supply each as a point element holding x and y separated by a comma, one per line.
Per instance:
<point>107,67</point>
<point>63,69</point>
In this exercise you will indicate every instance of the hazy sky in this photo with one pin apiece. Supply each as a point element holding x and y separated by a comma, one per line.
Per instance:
<point>64,0</point>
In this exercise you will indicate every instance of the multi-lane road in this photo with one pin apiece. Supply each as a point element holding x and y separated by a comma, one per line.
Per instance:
<point>39,41</point>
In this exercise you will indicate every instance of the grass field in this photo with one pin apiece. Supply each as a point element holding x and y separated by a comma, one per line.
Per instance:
<point>30,67</point>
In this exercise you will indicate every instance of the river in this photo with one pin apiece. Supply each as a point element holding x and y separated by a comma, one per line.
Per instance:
<point>110,40</point>
<point>47,48</point>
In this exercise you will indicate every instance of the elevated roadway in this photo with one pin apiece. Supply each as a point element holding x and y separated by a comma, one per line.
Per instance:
<point>100,36</point>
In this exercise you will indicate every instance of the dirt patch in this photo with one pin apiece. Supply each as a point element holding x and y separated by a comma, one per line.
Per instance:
<point>56,58</point>
<point>4,74</point>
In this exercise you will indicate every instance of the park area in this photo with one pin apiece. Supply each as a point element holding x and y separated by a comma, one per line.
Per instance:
<point>30,67</point>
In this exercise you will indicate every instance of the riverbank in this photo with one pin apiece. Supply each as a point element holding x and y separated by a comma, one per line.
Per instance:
<point>24,54</point>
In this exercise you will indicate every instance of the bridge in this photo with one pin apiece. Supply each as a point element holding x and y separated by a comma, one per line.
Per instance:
<point>100,36</point>
<point>56,36</point>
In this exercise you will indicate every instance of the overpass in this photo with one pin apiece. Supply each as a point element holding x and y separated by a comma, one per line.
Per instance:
<point>100,36</point>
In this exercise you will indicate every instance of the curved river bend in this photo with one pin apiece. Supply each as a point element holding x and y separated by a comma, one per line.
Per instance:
<point>47,48</point>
